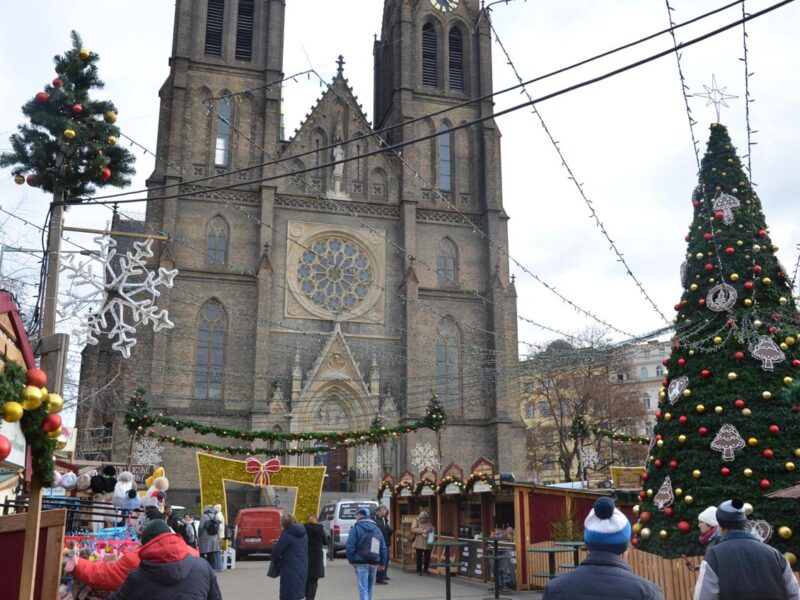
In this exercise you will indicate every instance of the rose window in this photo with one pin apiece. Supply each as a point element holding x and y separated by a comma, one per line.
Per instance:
<point>334,274</point>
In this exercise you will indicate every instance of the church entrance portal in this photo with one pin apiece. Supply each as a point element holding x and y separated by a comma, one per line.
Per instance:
<point>338,476</point>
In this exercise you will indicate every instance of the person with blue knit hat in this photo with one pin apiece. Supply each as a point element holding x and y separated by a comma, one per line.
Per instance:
<point>740,565</point>
<point>604,573</point>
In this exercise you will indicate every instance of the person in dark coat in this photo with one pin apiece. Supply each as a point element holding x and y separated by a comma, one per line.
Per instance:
<point>168,570</point>
<point>208,536</point>
<point>381,518</point>
<point>188,530</point>
<point>291,555</point>
<point>604,573</point>
<point>740,565</point>
<point>317,540</point>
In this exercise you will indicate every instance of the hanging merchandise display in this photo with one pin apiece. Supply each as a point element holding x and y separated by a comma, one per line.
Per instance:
<point>118,299</point>
<point>729,414</point>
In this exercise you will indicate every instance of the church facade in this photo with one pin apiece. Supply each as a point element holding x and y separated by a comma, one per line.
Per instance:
<point>326,279</point>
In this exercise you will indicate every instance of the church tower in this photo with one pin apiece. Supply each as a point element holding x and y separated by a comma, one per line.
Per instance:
<point>334,292</point>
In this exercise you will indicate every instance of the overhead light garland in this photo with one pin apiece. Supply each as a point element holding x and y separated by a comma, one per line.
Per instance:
<point>621,437</point>
<point>140,419</point>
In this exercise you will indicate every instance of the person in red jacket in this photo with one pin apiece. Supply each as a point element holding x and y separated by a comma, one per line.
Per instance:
<point>109,576</point>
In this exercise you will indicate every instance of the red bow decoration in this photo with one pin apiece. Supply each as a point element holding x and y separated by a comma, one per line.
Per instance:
<point>262,470</point>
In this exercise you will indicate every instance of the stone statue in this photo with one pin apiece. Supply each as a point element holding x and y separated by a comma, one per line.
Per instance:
<point>338,155</point>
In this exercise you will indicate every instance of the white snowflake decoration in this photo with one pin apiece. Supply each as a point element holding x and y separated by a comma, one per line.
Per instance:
<point>147,451</point>
<point>367,460</point>
<point>125,292</point>
<point>589,458</point>
<point>424,456</point>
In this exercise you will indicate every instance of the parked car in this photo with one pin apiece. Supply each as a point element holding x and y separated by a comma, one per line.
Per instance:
<point>256,530</point>
<point>338,517</point>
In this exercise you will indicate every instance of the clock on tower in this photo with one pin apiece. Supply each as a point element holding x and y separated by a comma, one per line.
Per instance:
<point>445,5</point>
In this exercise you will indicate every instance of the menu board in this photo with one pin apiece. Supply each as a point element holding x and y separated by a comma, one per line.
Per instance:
<point>474,559</point>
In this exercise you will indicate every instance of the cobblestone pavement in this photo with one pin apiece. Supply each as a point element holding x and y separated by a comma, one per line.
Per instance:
<point>249,581</point>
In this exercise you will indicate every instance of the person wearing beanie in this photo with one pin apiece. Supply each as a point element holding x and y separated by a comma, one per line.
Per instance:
<point>106,576</point>
<point>604,573</point>
<point>740,565</point>
<point>168,569</point>
<point>366,551</point>
<point>709,528</point>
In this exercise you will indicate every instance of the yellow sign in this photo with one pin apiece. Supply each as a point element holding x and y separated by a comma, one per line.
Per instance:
<point>627,477</point>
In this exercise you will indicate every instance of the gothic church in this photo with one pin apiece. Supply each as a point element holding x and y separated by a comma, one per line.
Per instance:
<point>315,294</point>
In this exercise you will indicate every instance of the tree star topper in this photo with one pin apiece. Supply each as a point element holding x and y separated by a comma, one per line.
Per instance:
<point>716,95</point>
<point>126,292</point>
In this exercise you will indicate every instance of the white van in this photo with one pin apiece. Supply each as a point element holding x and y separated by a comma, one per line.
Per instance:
<point>338,517</point>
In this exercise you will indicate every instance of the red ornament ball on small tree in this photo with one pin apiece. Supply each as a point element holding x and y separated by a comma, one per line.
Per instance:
<point>51,423</point>
<point>684,527</point>
<point>36,377</point>
<point>76,109</point>
<point>764,484</point>
<point>774,429</point>
<point>105,174</point>
<point>42,97</point>
<point>5,447</point>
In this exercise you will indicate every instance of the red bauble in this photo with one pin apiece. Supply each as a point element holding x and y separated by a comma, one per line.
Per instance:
<point>748,285</point>
<point>677,306</point>
<point>105,174</point>
<point>5,447</point>
<point>705,373</point>
<point>719,215</point>
<point>688,238</point>
<point>668,511</point>
<point>762,232</point>
<point>775,316</point>
<point>772,330</point>
<point>32,179</point>
<point>695,203</point>
<point>730,323</point>
<point>725,471</point>
<point>36,378</point>
<point>51,423</point>
<point>634,541</point>
<point>76,109</point>
<point>644,476</point>
<point>657,463</point>
<point>658,414</point>
<point>684,527</point>
<point>644,517</point>
<point>709,267</point>
<point>702,302</point>
<point>774,429</point>
<point>764,483</point>
<point>796,409</point>
<point>768,453</point>
<point>796,362</point>
<point>757,269</point>
<point>729,250</point>
<point>58,83</point>
<point>42,97</point>
<point>642,495</point>
<point>665,382</point>
<point>683,419</point>
<point>739,403</point>
<point>665,362</point>
<point>703,431</point>
<point>681,362</point>
<point>658,437</point>
<point>673,464</point>
<point>707,236</point>
<point>739,356</point>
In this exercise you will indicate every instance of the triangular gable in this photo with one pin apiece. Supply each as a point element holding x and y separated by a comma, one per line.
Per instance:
<point>429,474</point>
<point>406,478</point>
<point>483,466</point>
<point>335,363</point>
<point>13,336</point>
<point>454,471</point>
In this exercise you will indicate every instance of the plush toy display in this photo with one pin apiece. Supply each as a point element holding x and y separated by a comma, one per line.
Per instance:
<point>125,483</point>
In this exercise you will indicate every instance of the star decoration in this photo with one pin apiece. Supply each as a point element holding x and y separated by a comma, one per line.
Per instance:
<point>716,95</point>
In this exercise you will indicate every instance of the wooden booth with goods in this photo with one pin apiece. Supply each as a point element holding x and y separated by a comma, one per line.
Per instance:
<point>32,541</point>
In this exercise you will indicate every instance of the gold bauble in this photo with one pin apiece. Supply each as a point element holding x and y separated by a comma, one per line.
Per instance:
<point>784,346</point>
<point>732,376</point>
<point>44,392</point>
<point>54,403</point>
<point>636,508</point>
<point>662,534</point>
<point>110,117</point>
<point>757,323</point>
<point>748,302</point>
<point>734,277</point>
<point>739,243</point>
<point>785,532</point>
<point>782,300</point>
<point>31,397</point>
<point>682,439</point>
<point>789,340</point>
<point>660,443</point>
<point>756,248</point>
<point>766,395</point>
<point>700,409</point>
<point>668,416</point>
<point>748,472</point>
<point>789,466</point>
<point>787,380</point>
<point>790,558</point>
<point>748,508</point>
<point>797,452</point>
<point>61,442</point>
<point>55,434</point>
<point>637,527</point>
<point>645,533</point>
<point>84,54</point>
<point>678,491</point>
<point>718,410</point>
<point>19,179</point>
<point>691,352</point>
<point>69,134</point>
<point>649,492</point>
<point>693,287</point>
<point>766,281</point>
<point>746,412</point>
<point>752,441</point>
<point>661,393</point>
<point>12,411</point>
<point>687,392</point>
<point>112,140</point>
<point>717,340</point>
<point>696,473</point>
<point>688,500</point>
<point>699,256</point>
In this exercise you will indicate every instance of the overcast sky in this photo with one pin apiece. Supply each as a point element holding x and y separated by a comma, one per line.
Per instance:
<point>626,139</point>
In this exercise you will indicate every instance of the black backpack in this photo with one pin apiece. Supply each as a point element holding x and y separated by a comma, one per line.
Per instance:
<point>212,527</point>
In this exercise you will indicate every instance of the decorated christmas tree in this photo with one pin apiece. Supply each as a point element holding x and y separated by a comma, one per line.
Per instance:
<point>728,424</point>
<point>69,144</point>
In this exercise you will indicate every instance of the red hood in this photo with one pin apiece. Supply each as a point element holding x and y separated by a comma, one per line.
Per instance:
<point>164,548</point>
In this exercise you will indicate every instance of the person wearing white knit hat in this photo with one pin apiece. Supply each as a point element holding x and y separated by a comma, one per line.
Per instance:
<point>604,573</point>
<point>709,528</point>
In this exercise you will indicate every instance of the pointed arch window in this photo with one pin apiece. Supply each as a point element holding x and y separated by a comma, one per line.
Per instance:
<point>430,56</point>
<point>210,356</point>
<point>446,264</point>
<point>222,150</point>
<point>448,367</point>
<point>455,53</point>
<point>445,161</point>
<point>214,22</point>
<point>217,241</point>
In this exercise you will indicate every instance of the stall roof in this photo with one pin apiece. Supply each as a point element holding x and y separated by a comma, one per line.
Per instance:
<point>551,489</point>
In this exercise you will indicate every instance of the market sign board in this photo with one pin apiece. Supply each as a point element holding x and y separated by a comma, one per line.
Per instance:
<point>13,431</point>
<point>480,487</point>
<point>427,491</point>
<point>452,488</point>
<point>627,477</point>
